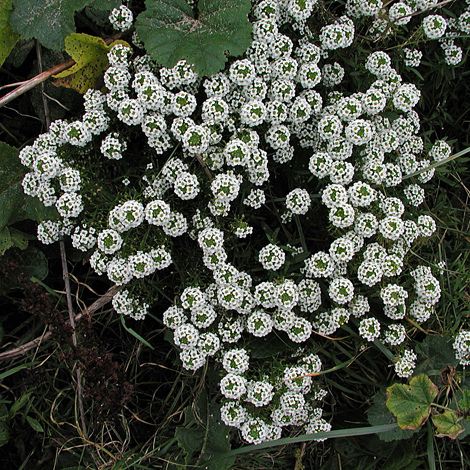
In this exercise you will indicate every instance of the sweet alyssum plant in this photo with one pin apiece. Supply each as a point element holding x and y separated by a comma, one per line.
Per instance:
<point>240,171</point>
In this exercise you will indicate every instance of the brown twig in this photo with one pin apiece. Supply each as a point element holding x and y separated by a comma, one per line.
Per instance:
<point>68,295</point>
<point>23,349</point>
<point>42,77</point>
<point>204,165</point>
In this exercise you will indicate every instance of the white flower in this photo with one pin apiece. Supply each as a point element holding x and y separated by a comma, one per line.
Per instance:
<point>434,26</point>
<point>259,393</point>
<point>272,257</point>
<point>196,139</point>
<point>69,205</point>
<point>369,328</point>
<point>109,241</point>
<point>121,18</point>
<point>233,386</point>
<point>259,323</point>
<point>405,364</point>
<point>341,290</point>
<point>186,186</point>
<point>236,361</point>
<point>254,431</point>
<point>186,336</point>
<point>298,201</point>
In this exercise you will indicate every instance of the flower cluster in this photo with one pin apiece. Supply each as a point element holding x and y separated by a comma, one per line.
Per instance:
<point>212,164</point>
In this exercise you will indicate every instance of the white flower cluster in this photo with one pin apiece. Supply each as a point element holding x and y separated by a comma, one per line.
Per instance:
<point>209,157</point>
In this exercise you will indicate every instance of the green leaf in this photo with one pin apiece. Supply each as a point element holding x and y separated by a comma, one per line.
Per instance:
<point>4,434</point>
<point>19,238</point>
<point>34,423</point>
<point>105,4</point>
<point>464,402</point>
<point>411,404</point>
<point>50,22</point>
<point>435,354</point>
<point>447,425</point>
<point>11,169</point>
<point>379,414</point>
<point>134,333</point>
<point>209,436</point>
<point>171,32</point>
<point>8,38</point>
<point>5,240</point>
<point>90,55</point>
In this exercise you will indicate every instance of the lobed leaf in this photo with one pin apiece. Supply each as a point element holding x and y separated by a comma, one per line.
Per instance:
<point>90,55</point>
<point>411,404</point>
<point>171,32</point>
<point>447,425</point>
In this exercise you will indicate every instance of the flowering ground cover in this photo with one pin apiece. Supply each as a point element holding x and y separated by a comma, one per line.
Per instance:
<point>235,234</point>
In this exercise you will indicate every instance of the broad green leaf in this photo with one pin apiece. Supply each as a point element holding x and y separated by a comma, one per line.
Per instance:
<point>379,414</point>
<point>105,4</point>
<point>171,32</point>
<point>411,404</point>
<point>48,21</point>
<point>435,354</point>
<point>8,38</point>
<point>34,423</point>
<point>19,238</point>
<point>90,55</point>
<point>4,434</point>
<point>447,425</point>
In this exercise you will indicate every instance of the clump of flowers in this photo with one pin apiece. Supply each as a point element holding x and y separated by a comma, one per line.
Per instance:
<point>214,163</point>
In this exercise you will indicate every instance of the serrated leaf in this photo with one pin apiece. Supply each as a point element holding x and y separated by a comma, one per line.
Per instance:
<point>34,423</point>
<point>50,22</point>
<point>171,32</point>
<point>90,55</point>
<point>411,404</point>
<point>4,434</point>
<point>447,425</point>
<point>8,38</point>
<point>379,414</point>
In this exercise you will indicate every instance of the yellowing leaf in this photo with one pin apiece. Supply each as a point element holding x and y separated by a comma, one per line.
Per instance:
<point>8,38</point>
<point>90,55</point>
<point>447,425</point>
<point>411,404</point>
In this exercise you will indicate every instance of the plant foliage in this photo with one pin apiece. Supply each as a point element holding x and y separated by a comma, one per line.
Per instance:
<point>90,55</point>
<point>171,31</point>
